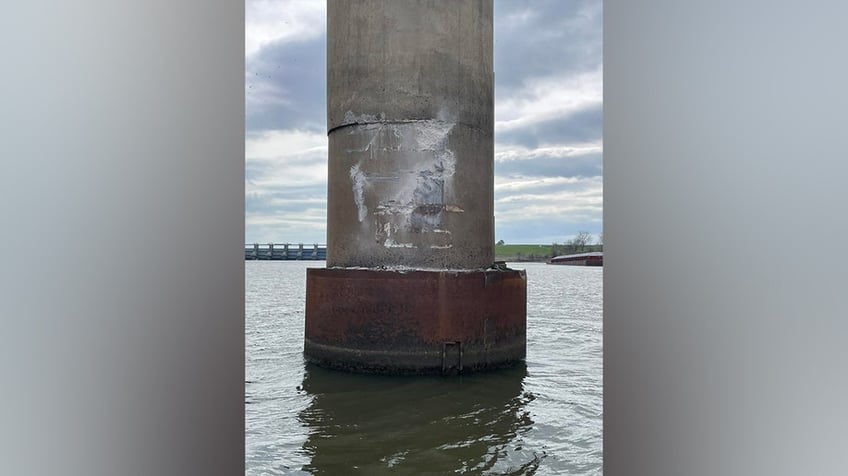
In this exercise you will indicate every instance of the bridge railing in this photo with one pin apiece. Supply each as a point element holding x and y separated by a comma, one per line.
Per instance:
<point>285,251</point>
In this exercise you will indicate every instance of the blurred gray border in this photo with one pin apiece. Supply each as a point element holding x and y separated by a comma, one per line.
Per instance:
<point>122,207</point>
<point>725,316</point>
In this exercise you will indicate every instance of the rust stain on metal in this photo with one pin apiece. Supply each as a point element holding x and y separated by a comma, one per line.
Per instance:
<point>398,322</point>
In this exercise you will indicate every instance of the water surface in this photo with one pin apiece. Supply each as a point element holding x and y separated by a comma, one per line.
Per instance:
<point>540,418</point>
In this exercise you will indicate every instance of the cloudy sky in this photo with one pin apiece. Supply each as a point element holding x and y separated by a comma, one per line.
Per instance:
<point>548,120</point>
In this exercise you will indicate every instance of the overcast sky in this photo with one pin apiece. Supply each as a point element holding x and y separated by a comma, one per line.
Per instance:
<point>548,120</point>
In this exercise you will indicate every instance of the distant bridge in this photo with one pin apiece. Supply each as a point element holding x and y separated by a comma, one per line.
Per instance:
<point>284,251</point>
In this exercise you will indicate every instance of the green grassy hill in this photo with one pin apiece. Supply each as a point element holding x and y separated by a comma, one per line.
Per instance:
<point>530,252</point>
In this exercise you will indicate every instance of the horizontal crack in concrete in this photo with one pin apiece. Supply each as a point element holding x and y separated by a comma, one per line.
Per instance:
<point>402,121</point>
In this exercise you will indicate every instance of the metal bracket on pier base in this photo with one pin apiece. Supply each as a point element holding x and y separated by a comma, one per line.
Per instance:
<point>451,351</point>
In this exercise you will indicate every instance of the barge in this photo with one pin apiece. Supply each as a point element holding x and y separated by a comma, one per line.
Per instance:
<point>595,258</point>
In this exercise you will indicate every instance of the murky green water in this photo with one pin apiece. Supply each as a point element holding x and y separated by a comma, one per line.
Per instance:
<point>542,418</point>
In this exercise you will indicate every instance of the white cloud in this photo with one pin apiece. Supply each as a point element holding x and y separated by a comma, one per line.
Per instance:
<point>580,199</point>
<point>281,144</point>
<point>588,197</point>
<point>310,217</point>
<point>519,19</point>
<point>285,230</point>
<point>319,202</point>
<point>286,175</point>
<point>546,98</point>
<point>284,158</point>
<point>512,184</point>
<point>267,21</point>
<point>517,152</point>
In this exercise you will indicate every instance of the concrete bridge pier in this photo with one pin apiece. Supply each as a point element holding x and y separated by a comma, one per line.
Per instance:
<point>409,285</point>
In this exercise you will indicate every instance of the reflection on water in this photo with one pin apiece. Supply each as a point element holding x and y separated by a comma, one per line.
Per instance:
<point>371,424</point>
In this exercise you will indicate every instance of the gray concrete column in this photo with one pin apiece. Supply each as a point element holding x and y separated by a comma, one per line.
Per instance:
<point>410,101</point>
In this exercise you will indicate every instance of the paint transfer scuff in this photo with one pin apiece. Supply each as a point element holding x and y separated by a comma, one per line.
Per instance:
<point>400,175</point>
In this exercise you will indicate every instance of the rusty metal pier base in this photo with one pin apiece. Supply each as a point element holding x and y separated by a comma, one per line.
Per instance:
<point>415,322</point>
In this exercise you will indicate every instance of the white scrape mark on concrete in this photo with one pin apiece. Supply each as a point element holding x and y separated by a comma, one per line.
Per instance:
<point>358,178</point>
<point>351,118</point>
<point>390,243</point>
<point>410,192</point>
